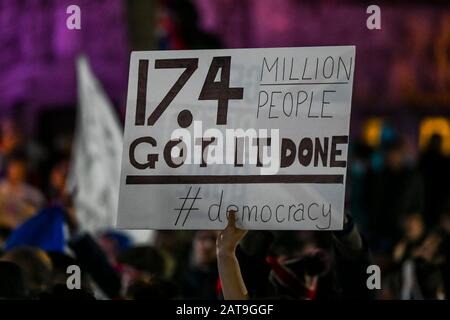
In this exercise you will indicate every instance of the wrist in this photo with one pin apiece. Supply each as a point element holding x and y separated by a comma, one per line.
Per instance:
<point>225,253</point>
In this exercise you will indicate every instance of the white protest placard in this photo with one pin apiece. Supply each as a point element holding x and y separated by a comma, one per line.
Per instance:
<point>263,132</point>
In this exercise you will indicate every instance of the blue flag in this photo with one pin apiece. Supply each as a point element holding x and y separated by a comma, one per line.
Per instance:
<point>44,230</point>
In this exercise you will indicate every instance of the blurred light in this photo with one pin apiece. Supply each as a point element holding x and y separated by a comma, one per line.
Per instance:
<point>372,131</point>
<point>438,125</point>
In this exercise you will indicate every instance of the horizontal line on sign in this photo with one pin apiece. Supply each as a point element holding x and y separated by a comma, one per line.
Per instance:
<point>238,179</point>
<point>300,83</point>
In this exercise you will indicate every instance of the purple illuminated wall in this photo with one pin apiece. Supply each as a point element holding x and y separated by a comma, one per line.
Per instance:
<point>37,56</point>
<point>406,63</point>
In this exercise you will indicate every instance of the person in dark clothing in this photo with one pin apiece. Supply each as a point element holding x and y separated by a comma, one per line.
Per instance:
<point>61,292</point>
<point>420,259</point>
<point>199,279</point>
<point>94,261</point>
<point>153,288</point>
<point>395,190</point>
<point>90,256</point>
<point>36,266</point>
<point>140,266</point>
<point>435,169</point>
<point>444,248</point>
<point>12,281</point>
<point>61,263</point>
<point>351,260</point>
<point>414,233</point>
<point>136,264</point>
<point>186,20</point>
<point>144,258</point>
<point>309,276</point>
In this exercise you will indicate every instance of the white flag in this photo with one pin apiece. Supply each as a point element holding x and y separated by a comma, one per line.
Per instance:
<point>96,156</point>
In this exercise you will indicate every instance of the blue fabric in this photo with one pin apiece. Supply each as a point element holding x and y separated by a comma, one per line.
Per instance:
<point>122,240</point>
<point>44,230</point>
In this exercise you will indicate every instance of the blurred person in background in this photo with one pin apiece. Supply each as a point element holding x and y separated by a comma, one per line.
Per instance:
<point>435,169</point>
<point>359,166</point>
<point>422,275</point>
<point>421,259</point>
<point>399,279</point>
<point>152,288</point>
<point>431,259</point>
<point>60,262</point>
<point>114,243</point>
<point>36,266</point>
<point>391,191</point>
<point>246,271</point>
<point>90,256</point>
<point>414,233</point>
<point>12,281</point>
<point>11,140</point>
<point>138,265</point>
<point>198,278</point>
<point>444,226</point>
<point>175,247</point>
<point>18,200</point>
<point>186,27</point>
<point>56,190</point>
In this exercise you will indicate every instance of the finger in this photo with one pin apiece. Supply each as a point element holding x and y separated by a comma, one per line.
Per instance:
<point>232,218</point>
